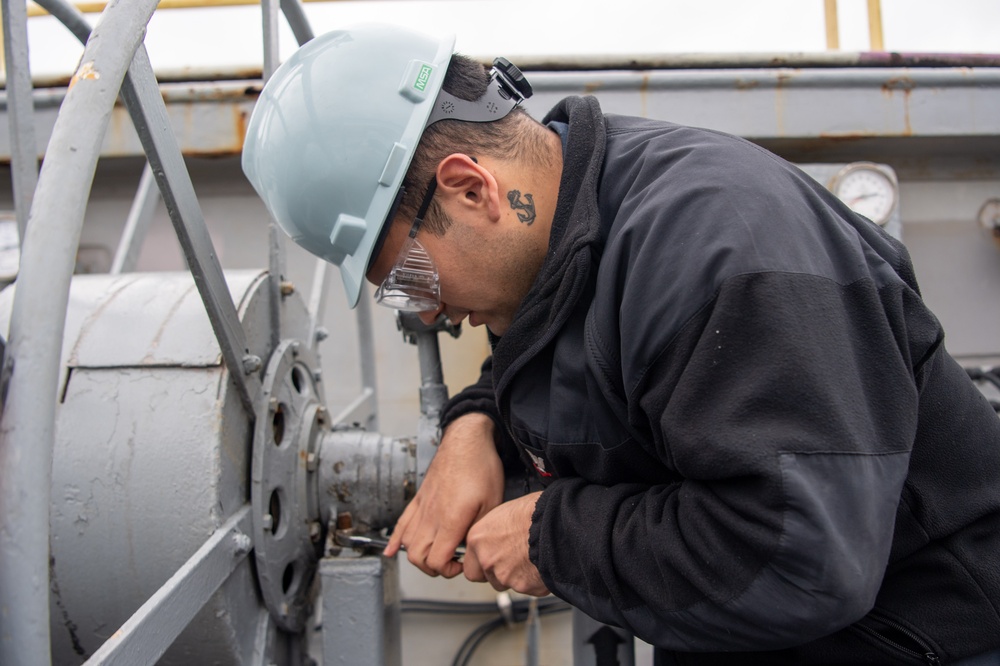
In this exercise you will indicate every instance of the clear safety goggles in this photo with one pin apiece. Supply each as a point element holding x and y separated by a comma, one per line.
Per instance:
<point>413,284</point>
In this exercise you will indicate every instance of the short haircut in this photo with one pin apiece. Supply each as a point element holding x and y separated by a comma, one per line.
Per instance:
<point>514,136</point>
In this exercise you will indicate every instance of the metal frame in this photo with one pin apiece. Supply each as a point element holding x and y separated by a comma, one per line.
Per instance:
<point>115,56</point>
<point>22,123</point>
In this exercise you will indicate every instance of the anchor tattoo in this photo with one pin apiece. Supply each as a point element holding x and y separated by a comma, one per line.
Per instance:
<point>528,216</point>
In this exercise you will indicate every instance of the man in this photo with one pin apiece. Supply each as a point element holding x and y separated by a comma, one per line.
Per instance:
<point>750,434</point>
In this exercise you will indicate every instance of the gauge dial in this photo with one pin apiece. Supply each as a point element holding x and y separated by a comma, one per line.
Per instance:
<point>867,189</point>
<point>989,216</point>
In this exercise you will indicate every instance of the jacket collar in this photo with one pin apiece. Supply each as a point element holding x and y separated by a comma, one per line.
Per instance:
<point>573,243</point>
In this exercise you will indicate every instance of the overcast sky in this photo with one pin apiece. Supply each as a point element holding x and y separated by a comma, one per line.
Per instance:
<point>229,37</point>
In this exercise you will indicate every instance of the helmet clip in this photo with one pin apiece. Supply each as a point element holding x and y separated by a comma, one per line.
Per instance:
<point>506,89</point>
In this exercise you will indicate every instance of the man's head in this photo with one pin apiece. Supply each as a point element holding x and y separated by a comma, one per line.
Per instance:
<point>336,130</point>
<point>465,235</point>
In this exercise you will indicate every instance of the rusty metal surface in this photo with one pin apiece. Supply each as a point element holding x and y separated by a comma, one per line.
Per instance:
<point>815,107</point>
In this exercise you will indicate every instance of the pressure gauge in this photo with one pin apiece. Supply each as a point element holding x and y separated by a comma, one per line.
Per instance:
<point>867,189</point>
<point>989,216</point>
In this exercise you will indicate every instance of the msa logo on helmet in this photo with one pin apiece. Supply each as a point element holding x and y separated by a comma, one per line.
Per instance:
<point>423,77</point>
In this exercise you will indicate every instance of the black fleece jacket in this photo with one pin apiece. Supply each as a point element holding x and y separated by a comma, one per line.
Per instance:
<point>755,446</point>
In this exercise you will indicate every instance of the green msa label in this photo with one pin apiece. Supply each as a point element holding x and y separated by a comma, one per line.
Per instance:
<point>423,76</point>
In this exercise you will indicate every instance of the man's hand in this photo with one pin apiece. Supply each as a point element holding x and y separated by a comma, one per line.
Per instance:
<point>463,483</point>
<point>496,549</point>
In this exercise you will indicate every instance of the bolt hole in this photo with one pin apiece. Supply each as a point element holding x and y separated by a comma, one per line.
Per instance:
<point>274,507</point>
<point>278,425</point>
<point>288,578</point>
<point>298,381</point>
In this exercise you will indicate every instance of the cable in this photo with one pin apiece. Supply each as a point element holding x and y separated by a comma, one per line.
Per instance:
<point>519,613</point>
<point>478,635</point>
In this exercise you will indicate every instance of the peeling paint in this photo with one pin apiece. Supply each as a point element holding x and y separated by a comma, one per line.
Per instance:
<point>85,73</point>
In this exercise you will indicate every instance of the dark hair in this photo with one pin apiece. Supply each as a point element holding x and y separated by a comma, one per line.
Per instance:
<point>507,138</point>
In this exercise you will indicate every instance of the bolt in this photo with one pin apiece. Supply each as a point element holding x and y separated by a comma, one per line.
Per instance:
<point>311,462</point>
<point>287,288</point>
<point>317,375</point>
<point>314,532</point>
<point>322,334</point>
<point>251,363</point>
<point>267,522</point>
<point>243,543</point>
<point>295,348</point>
<point>272,404</point>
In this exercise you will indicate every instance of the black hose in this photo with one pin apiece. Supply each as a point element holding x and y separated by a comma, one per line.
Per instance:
<point>519,613</point>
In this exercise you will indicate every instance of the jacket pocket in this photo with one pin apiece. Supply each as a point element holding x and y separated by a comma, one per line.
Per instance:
<point>897,638</point>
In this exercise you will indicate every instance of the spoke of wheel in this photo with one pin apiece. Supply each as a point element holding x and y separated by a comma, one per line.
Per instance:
<point>297,20</point>
<point>21,112</point>
<point>142,97</point>
<point>276,239</point>
<point>145,105</point>
<point>27,430</point>
<point>140,216</point>
<point>152,629</point>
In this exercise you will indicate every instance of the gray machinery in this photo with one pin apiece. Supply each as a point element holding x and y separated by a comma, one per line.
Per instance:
<point>173,488</point>
<point>117,385</point>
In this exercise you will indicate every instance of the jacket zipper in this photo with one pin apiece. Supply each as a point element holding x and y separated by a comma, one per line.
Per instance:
<point>927,655</point>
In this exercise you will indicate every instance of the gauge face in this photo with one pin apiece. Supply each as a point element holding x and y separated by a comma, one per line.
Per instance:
<point>867,190</point>
<point>989,216</point>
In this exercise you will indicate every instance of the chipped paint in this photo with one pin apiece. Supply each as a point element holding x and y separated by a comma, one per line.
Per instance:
<point>85,73</point>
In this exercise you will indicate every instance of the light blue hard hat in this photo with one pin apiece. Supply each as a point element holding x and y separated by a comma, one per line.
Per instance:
<point>333,133</point>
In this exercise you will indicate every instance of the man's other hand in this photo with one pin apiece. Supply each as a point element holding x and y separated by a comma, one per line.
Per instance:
<point>497,548</point>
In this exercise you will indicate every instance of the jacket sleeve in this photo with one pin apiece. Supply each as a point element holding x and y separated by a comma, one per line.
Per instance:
<point>783,412</point>
<point>479,397</point>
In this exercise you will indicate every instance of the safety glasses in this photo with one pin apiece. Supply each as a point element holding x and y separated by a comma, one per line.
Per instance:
<point>413,283</point>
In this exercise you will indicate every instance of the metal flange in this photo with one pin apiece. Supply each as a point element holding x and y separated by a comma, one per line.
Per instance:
<point>290,421</point>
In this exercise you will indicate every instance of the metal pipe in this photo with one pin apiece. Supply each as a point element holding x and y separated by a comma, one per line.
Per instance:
<point>875,25</point>
<point>27,430</point>
<point>832,27</point>
<point>366,355</point>
<point>24,152</point>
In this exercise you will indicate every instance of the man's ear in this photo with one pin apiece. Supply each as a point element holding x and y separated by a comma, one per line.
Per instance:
<point>464,181</point>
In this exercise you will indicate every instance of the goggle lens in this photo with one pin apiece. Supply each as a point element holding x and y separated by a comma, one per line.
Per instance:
<point>412,284</point>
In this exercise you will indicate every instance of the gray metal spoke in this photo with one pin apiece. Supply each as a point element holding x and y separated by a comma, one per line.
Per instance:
<point>276,239</point>
<point>366,356</point>
<point>149,632</point>
<point>317,303</point>
<point>144,101</point>
<point>27,429</point>
<point>24,153</point>
<point>297,20</point>
<point>269,12</point>
<point>140,217</point>
<point>141,94</point>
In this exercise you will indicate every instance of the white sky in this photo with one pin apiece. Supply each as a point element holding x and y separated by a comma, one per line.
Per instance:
<point>229,37</point>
